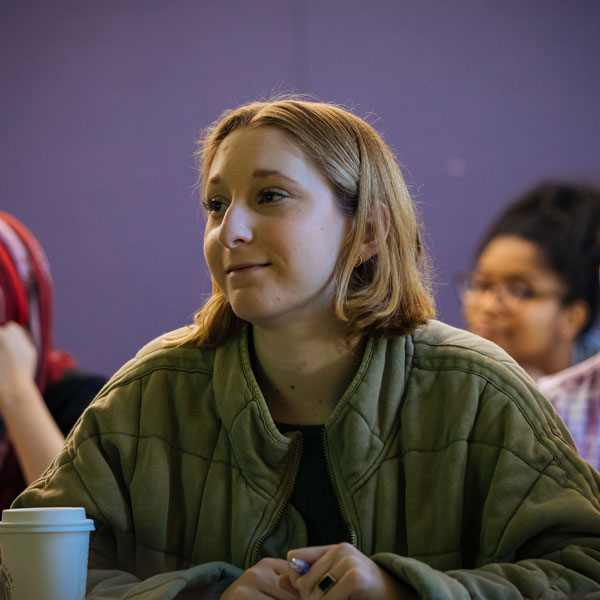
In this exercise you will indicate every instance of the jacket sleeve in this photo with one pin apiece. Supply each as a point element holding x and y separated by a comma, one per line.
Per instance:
<point>206,582</point>
<point>531,513</point>
<point>94,470</point>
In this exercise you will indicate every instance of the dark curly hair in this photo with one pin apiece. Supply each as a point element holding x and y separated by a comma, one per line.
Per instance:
<point>563,220</point>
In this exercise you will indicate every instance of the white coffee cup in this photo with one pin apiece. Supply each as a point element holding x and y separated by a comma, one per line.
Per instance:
<point>44,553</point>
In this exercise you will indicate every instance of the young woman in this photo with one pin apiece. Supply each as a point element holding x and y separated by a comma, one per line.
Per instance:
<point>316,412</point>
<point>42,393</point>
<point>535,292</point>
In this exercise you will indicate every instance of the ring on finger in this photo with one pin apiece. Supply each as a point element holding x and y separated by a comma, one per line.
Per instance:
<point>326,582</point>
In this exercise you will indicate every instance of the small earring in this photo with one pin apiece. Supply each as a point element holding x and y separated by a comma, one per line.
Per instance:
<point>359,261</point>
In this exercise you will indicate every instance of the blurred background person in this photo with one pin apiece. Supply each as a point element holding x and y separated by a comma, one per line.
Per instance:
<point>534,291</point>
<point>41,391</point>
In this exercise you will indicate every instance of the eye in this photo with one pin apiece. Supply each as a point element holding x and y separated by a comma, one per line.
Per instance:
<point>269,195</point>
<point>479,285</point>
<point>215,205</point>
<point>520,291</point>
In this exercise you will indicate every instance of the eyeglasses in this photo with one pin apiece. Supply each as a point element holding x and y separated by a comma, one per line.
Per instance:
<point>512,294</point>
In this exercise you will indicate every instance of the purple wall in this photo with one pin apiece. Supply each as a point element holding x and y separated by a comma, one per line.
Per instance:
<point>101,102</point>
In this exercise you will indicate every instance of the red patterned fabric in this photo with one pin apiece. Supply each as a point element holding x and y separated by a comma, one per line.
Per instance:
<point>26,298</point>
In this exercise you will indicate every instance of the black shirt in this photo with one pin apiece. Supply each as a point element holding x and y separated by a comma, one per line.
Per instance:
<point>70,395</point>
<point>313,495</point>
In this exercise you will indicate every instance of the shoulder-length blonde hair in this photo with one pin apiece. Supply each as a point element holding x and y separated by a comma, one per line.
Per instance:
<point>387,295</point>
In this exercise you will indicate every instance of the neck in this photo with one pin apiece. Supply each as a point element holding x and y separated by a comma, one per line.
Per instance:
<point>561,359</point>
<point>304,373</point>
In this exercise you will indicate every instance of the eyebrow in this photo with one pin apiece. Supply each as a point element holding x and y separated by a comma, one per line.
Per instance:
<point>258,174</point>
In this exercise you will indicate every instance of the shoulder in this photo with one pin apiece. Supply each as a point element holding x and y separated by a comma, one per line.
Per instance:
<point>157,384</point>
<point>439,346</point>
<point>454,341</point>
<point>466,369</point>
<point>475,383</point>
<point>157,367</point>
<point>443,364</point>
<point>485,394</point>
<point>437,352</point>
<point>161,356</point>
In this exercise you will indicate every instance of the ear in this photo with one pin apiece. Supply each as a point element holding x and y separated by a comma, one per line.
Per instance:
<point>575,318</point>
<point>370,244</point>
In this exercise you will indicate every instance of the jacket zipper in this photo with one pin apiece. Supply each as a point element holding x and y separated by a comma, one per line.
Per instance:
<point>281,508</point>
<point>338,498</point>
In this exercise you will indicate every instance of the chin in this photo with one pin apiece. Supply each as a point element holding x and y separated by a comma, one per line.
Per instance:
<point>258,317</point>
<point>487,332</point>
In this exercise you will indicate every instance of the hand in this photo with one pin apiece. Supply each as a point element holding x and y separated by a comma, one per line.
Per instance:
<point>354,576</point>
<point>18,360</point>
<point>261,581</point>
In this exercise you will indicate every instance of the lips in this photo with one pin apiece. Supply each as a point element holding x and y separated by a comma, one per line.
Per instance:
<point>244,267</point>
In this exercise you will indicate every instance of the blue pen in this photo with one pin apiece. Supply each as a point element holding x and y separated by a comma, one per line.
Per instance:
<point>299,565</point>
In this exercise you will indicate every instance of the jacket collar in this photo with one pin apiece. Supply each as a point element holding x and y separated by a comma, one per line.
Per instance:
<point>356,431</point>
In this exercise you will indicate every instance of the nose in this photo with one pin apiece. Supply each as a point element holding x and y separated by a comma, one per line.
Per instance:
<point>236,226</point>
<point>492,300</point>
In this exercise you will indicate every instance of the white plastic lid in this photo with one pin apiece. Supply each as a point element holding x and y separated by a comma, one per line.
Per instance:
<point>47,518</point>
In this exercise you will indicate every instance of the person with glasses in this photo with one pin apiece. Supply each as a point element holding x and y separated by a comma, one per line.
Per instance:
<point>534,291</point>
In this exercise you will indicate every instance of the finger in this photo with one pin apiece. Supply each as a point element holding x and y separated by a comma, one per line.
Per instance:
<point>326,582</point>
<point>286,584</point>
<point>284,593</point>
<point>272,584</point>
<point>261,581</point>
<point>328,570</point>
<point>309,555</point>
<point>279,565</point>
<point>318,579</point>
<point>341,589</point>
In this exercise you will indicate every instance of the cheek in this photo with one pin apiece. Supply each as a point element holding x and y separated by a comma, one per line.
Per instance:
<point>210,253</point>
<point>536,328</point>
<point>540,318</point>
<point>469,311</point>
<point>318,257</point>
<point>206,248</point>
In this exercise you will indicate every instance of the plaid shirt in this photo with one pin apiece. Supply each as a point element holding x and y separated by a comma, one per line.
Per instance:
<point>575,394</point>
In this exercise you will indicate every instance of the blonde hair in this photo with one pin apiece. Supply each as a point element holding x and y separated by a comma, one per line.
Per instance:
<point>387,295</point>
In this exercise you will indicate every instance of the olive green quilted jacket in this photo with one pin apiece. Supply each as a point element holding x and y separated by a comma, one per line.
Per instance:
<point>451,471</point>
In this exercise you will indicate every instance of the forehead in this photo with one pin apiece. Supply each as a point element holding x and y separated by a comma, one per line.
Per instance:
<point>258,147</point>
<point>511,256</point>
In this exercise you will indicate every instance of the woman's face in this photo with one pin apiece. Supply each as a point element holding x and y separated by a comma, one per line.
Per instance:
<point>273,232</point>
<point>514,300</point>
